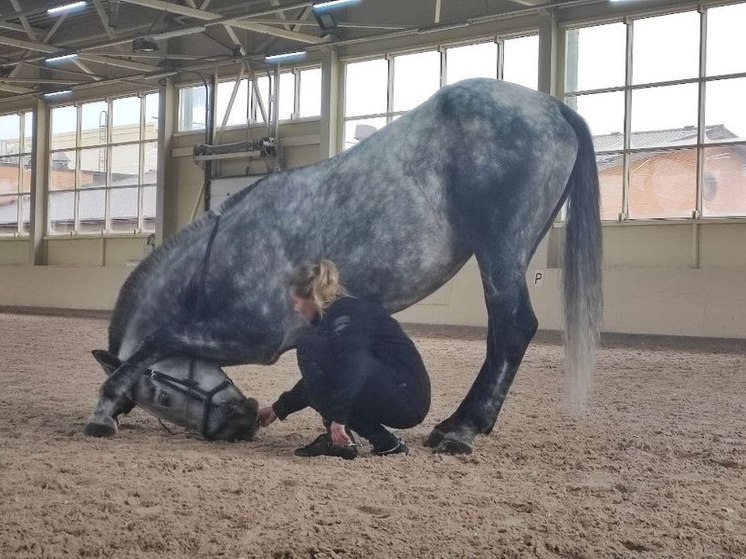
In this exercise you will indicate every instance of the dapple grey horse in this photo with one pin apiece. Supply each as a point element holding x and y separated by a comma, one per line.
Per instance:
<point>481,168</point>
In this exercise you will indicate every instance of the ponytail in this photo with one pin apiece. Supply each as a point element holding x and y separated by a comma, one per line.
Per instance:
<point>318,281</point>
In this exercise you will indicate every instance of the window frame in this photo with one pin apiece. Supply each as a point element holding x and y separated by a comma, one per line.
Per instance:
<point>628,152</point>
<point>254,114</point>
<point>108,187</point>
<point>389,56</point>
<point>22,156</point>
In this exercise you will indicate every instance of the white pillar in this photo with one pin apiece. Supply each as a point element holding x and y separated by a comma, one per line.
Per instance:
<point>39,182</point>
<point>165,205</point>
<point>330,106</point>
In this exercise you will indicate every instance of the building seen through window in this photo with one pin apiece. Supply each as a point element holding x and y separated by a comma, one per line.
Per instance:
<point>15,173</point>
<point>103,165</point>
<point>660,153</point>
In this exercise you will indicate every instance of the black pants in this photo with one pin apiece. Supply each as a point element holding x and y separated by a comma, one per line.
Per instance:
<point>393,398</point>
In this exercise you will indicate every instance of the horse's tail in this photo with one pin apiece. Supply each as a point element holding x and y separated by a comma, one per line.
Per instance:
<point>582,268</point>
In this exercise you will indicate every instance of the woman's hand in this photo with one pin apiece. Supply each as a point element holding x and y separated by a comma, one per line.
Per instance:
<point>266,416</point>
<point>339,434</point>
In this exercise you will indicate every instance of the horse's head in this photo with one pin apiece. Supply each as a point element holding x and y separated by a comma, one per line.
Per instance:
<point>193,393</point>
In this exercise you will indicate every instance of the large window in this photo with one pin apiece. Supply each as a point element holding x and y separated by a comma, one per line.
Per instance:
<point>103,164</point>
<point>665,106</point>
<point>299,97</point>
<point>378,91</point>
<point>15,162</point>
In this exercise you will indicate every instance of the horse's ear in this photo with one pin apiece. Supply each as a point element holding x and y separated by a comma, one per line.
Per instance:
<point>109,362</point>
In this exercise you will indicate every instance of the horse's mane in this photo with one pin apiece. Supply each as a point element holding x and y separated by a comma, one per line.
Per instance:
<point>123,308</point>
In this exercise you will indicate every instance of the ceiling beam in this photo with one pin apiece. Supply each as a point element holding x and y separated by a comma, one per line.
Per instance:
<point>530,2</point>
<point>14,89</point>
<point>51,49</point>
<point>233,21</point>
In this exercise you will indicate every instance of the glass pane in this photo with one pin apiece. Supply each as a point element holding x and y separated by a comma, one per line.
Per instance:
<point>357,130</point>
<point>664,116</point>
<point>148,208</point>
<point>610,176</point>
<point>521,64</point>
<point>64,123</point>
<point>310,93</point>
<point>263,85</point>
<point>125,120</point>
<point>9,175</point>
<point>416,78</point>
<point>239,114</point>
<point>61,212</point>
<point>123,204</point>
<point>91,210</point>
<point>151,116</point>
<point>62,170</point>
<point>125,165</point>
<point>471,61</point>
<point>28,131</point>
<point>10,132</point>
<point>725,116</point>
<point>26,214</point>
<point>366,87</point>
<point>192,103</point>
<point>26,174</point>
<point>596,57</point>
<point>287,96</point>
<point>8,215</point>
<point>725,38</point>
<point>663,184</point>
<point>92,167</point>
<point>150,164</point>
<point>604,113</point>
<point>724,181</point>
<point>666,48</point>
<point>93,124</point>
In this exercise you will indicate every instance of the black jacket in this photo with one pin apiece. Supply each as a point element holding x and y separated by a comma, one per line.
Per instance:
<point>356,330</point>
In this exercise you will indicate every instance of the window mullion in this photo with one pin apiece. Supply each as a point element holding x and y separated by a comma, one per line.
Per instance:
<point>390,89</point>
<point>701,113</point>
<point>627,121</point>
<point>500,58</point>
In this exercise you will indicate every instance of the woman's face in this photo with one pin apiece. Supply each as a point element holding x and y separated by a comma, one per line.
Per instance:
<point>305,307</point>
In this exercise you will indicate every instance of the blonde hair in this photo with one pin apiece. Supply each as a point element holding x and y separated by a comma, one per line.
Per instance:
<point>318,281</point>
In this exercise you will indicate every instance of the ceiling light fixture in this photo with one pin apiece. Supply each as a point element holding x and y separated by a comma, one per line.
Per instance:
<point>285,57</point>
<point>61,57</point>
<point>58,93</point>
<point>65,7</point>
<point>331,4</point>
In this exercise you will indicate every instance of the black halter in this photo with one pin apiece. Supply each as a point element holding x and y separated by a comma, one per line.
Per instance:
<point>190,388</point>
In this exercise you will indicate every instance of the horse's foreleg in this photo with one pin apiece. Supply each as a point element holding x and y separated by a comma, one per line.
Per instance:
<point>511,326</point>
<point>189,340</point>
<point>114,396</point>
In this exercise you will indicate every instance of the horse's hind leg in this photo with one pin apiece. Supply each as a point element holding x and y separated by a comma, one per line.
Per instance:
<point>511,326</point>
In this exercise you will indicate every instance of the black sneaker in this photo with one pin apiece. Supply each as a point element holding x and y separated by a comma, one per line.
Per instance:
<point>399,448</point>
<point>323,446</point>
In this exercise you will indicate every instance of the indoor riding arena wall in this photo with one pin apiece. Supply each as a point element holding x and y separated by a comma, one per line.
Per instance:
<point>655,468</point>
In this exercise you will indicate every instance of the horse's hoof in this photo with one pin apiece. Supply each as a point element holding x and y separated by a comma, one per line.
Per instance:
<point>435,438</point>
<point>452,446</point>
<point>100,427</point>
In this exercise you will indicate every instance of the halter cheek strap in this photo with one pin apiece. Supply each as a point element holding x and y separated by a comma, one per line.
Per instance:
<point>189,387</point>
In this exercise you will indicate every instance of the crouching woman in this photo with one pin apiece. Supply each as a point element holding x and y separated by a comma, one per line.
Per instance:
<point>359,370</point>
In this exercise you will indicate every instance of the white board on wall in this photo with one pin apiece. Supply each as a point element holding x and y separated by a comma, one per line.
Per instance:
<point>223,188</point>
